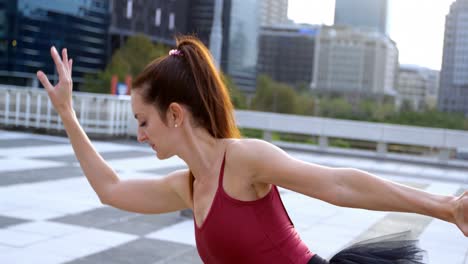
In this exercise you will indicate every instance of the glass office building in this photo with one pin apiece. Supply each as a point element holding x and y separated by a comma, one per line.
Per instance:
<point>240,22</point>
<point>240,44</point>
<point>30,27</point>
<point>453,92</point>
<point>363,14</point>
<point>159,20</point>
<point>287,53</point>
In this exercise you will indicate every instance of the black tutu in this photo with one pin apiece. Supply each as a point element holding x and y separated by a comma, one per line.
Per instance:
<point>390,249</point>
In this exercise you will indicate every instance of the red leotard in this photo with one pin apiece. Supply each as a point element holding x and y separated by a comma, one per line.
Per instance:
<point>247,232</point>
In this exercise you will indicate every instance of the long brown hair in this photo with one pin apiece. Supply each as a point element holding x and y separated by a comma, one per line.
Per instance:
<point>191,79</point>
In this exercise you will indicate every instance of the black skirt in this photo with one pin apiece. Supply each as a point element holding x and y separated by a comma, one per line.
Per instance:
<point>389,249</point>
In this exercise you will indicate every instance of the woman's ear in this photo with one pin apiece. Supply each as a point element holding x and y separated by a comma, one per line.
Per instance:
<point>176,115</point>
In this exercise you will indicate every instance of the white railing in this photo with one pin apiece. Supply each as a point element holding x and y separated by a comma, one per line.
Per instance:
<point>445,141</point>
<point>108,115</point>
<point>104,115</point>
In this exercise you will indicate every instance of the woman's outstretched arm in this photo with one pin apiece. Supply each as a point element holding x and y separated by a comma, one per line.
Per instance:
<point>141,196</point>
<point>350,187</point>
<point>91,162</point>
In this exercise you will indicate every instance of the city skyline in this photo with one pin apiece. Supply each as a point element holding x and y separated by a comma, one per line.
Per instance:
<point>419,40</point>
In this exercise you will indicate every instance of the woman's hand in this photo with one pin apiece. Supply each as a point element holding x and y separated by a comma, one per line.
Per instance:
<point>61,94</point>
<point>461,213</point>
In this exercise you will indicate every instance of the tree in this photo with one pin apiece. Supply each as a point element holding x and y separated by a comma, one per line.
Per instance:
<point>306,105</point>
<point>130,59</point>
<point>237,97</point>
<point>336,108</point>
<point>263,99</point>
<point>285,99</point>
<point>272,96</point>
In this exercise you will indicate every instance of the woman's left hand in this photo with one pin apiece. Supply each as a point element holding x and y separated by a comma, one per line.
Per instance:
<point>461,213</point>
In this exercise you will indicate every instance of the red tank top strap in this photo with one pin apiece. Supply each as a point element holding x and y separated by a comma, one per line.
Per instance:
<point>221,172</point>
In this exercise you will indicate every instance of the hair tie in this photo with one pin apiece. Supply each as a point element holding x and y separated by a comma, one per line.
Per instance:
<point>176,52</point>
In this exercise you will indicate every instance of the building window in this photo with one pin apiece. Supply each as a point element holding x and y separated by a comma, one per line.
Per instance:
<point>171,21</point>
<point>157,17</point>
<point>129,8</point>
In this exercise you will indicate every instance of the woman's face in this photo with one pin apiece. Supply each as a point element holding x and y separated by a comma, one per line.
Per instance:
<point>151,129</point>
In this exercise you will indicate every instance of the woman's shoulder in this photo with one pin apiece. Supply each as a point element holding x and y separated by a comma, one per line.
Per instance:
<point>247,151</point>
<point>244,146</point>
<point>248,145</point>
<point>249,158</point>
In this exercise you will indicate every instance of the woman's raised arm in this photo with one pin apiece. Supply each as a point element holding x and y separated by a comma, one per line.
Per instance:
<point>350,187</point>
<point>142,196</point>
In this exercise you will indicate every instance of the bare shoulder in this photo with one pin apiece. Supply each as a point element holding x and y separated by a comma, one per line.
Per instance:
<point>253,150</point>
<point>268,164</point>
<point>253,153</point>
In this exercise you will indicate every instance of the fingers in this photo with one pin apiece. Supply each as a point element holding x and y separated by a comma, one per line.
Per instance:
<point>45,81</point>
<point>58,63</point>
<point>70,65</point>
<point>65,59</point>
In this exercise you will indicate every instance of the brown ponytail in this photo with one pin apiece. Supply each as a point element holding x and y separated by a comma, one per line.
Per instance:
<point>190,79</point>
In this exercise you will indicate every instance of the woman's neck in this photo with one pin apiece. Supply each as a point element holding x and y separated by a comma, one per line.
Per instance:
<point>202,153</point>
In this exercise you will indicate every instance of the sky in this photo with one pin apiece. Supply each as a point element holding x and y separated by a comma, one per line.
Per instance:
<point>417,26</point>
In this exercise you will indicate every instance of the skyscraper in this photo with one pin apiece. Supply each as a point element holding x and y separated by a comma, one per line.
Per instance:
<point>28,28</point>
<point>274,12</point>
<point>453,92</point>
<point>363,14</point>
<point>356,61</point>
<point>417,85</point>
<point>159,20</point>
<point>241,45</point>
<point>240,28</point>
<point>287,53</point>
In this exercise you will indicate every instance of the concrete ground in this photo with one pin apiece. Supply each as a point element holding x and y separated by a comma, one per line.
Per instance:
<point>50,214</point>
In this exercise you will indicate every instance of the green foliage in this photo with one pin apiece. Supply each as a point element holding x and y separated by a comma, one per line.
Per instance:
<point>431,118</point>
<point>274,97</point>
<point>251,133</point>
<point>340,143</point>
<point>295,138</point>
<point>372,111</point>
<point>336,108</point>
<point>305,105</point>
<point>130,59</point>
<point>237,97</point>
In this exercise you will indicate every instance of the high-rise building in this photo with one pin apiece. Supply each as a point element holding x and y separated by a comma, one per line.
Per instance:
<point>159,20</point>
<point>351,60</point>
<point>274,12</point>
<point>418,86</point>
<point>235,31</point>
<point>93,29</point>
<point>28,28</point>
<point>240,46</point>
<point>287,53</point>
<point>363,14</point>
<point>229,28</point>
<point>453,92</point>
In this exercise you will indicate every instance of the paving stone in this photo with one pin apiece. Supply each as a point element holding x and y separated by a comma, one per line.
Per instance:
<point>189,257</point>
<point>15,143</point>
<point>141,251</point>
<point>105,155</point>
<point>112,219</point>
<point>39,175</point>
<point>6,221</point>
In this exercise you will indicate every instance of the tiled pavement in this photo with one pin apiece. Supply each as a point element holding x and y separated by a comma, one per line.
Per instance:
<point>50,214</point>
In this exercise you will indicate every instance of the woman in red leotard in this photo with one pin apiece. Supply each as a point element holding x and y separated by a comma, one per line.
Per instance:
<point>184,109</point>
